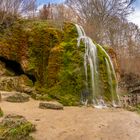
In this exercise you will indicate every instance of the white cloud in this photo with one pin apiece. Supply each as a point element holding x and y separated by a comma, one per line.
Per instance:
<point>39,8</point>
<point>135,17</point>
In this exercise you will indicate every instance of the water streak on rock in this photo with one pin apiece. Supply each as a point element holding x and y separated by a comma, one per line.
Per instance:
<point>91,61</point>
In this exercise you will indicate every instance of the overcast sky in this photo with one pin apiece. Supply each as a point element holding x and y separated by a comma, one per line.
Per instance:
<point>135,17</point>
<point>47,1</point>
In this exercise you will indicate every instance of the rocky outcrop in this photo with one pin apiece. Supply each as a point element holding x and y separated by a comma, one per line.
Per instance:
<point>51,105</point>
<point>130,88</point>
<point>130,100</point>
<point>131,83</point>
<point>44,61</point>
<point>29,45</point>
<point>47,53</point>
<point>9,81</point>
<point>17,83</point>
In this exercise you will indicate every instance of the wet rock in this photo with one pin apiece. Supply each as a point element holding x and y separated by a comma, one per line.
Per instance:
<point>15,127</point>
<point>51,105</point>
<point>18,97</point>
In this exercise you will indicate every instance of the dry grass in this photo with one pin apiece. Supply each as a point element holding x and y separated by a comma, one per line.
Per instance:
<point>130,65</point>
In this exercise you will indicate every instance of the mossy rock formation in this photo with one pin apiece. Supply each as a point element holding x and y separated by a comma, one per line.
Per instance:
<point>15,127</point>
<point>50,55</point>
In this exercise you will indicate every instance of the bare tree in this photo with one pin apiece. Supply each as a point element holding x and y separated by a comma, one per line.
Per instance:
<point>58,12</point>
<point>15,8</point>
<point>44,12</point>
<point>131,1</point>
<point>105,21</point>
<point>98,14</point>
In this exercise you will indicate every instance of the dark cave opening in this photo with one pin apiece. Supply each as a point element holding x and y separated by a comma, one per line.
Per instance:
<point>16,68</point>
<point>31,77</point>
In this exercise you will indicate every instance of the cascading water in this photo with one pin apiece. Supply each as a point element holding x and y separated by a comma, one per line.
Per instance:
<point>91,64</point>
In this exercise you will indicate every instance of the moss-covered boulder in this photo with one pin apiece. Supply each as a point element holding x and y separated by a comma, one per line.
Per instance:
<point>48,53</point>
<point>18,97</point>
<point>51,105</point>
<point>16,83</point>
<point>15,127</point>
<point>51,56</point>
<point>29,43</point>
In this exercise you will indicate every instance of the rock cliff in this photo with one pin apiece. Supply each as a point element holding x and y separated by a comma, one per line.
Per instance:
<point>44,60</point>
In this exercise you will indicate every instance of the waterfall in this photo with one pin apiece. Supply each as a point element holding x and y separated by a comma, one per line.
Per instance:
<point>91,60</point>
<point>110,81</point>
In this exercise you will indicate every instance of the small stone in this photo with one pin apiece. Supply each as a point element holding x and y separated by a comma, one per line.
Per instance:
<point>51,105</point>
<point>29,90</point>
<point>37,120</point>
<point>18,97</point>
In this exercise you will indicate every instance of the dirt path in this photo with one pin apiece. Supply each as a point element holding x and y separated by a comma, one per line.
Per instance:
<point>78,123</point>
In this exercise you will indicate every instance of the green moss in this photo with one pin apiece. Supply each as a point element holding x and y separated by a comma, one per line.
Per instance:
<point>70,75</point>
<point>1,113</point>
<point>59,94</point>
<point>15,128</point>
<point>52,56</point>
<point>135,108</point>
<point>104,82</point>
<point>70,31</point>
<point>41,41</point>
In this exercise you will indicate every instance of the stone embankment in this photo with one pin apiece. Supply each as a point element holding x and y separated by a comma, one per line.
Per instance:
<point>130,85</point>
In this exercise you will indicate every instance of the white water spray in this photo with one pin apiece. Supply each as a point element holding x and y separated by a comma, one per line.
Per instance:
<point>91,59</point>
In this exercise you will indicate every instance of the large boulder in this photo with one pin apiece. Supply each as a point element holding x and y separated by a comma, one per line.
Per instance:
<point>29,45</point>
<point>17,83</point>
<point>49,55</point>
